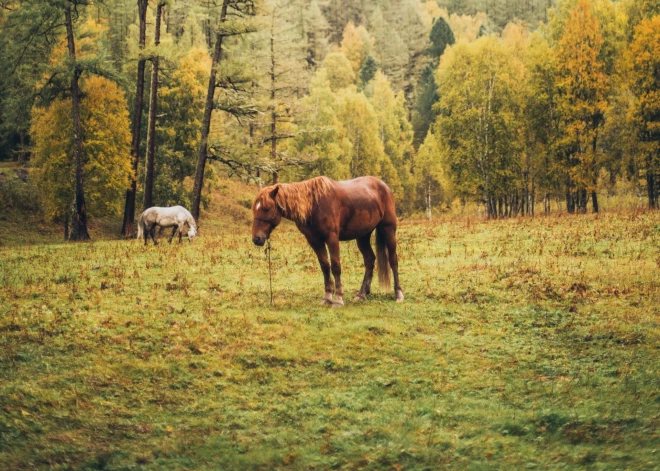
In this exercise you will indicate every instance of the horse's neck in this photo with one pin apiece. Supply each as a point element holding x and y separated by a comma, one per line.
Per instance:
<point>191,222</point>
<point>294,200</point>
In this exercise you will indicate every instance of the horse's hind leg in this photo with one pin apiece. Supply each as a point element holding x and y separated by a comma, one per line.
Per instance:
<point>152,232</point>
<point>333,248</point>
<point>364,244</point>
<point>390,240</point>
<point>180,232</point>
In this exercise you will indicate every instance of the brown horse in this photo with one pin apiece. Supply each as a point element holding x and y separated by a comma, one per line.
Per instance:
<point>326,212</point>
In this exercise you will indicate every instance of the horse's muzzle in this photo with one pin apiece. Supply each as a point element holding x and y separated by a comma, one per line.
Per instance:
<point>260,241</point>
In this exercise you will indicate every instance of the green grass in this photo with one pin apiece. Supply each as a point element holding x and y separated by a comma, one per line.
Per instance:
<point>521,344</point>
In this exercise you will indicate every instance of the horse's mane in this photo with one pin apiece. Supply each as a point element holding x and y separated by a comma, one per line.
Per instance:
<point>296,200</point>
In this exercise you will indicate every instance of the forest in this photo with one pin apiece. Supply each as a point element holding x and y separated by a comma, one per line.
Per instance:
<point>516,106</point>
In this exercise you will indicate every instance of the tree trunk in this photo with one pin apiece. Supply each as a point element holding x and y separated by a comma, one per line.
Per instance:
<point>428,199</point>
<point>66,226</point>
<point>206,122</point>
<point>594,201</point>
<point>23,153</point>
<point>273,111</point>
<point>570,201</point>
<point>651,183</point>
<point>79,229</point>
<point>153,109</point>
<point>582,200</point>
<point>129,206</point>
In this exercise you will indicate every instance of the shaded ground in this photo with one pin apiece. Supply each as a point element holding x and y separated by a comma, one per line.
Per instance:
<point>522,343</point>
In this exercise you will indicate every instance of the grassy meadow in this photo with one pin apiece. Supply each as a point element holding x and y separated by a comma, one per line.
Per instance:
<point>522,344</point>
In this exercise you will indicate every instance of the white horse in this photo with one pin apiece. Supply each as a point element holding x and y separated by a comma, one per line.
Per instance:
<point>176,216</point>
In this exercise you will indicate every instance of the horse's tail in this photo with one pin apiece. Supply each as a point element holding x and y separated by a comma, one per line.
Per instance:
<point>140,232</point>
<point>382,259</point>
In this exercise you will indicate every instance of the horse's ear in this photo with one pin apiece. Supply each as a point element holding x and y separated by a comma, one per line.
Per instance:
<point>273,192</point>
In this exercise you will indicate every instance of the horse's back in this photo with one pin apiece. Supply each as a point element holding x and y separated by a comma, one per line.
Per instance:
<point>365,192</point>
<point>364,202</point>
<point>167,215</point>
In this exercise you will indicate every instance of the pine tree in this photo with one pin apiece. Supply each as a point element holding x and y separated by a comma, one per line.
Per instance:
<point>153,112</point>
<point>441,36</point>
<point>286,69</point>
<point>131,193</point>
<point>316,29</point>
<point>424,112</point>
<point>368,70</point>
<point>391,51</point>
<point>237,24</point>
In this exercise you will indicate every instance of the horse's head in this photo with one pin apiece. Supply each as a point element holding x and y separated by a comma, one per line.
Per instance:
<point>192,232</point>
<point>266,213</point>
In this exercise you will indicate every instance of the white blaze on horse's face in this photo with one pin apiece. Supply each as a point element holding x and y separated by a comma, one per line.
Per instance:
<point>266,216</point>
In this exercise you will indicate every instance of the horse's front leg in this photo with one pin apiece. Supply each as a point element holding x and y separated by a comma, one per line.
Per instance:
<point>176,228</point>
<point>333,248</point>
<point>322,255</point>
<point>180,232</point>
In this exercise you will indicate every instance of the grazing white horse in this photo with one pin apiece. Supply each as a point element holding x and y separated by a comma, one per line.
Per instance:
<point>176,216</point>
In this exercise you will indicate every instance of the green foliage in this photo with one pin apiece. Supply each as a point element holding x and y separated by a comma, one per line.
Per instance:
<point>427,96</point>
<point>368,70</point>
<point>441,36</point>
<point>360,124</point>
<point>396,136</point>
<point>322,133</point>
<point>181,103</point>
<point>571,124</point>
<point>17,190</point>
<point>479,119</point>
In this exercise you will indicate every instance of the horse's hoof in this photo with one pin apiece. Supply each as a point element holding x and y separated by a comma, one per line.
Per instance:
<point>327,301</point>
<point>338,302</point>
<point>399,296</point>
<point>359,298</point>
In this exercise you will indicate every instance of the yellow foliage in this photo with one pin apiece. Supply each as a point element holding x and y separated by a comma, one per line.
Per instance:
<point>642,60</point>
<point>356,44</point>
<point>339,71</point>
<point>466,27</point>
<point>107,166</point>
<point>430,11</point>
<point>583,86</point>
